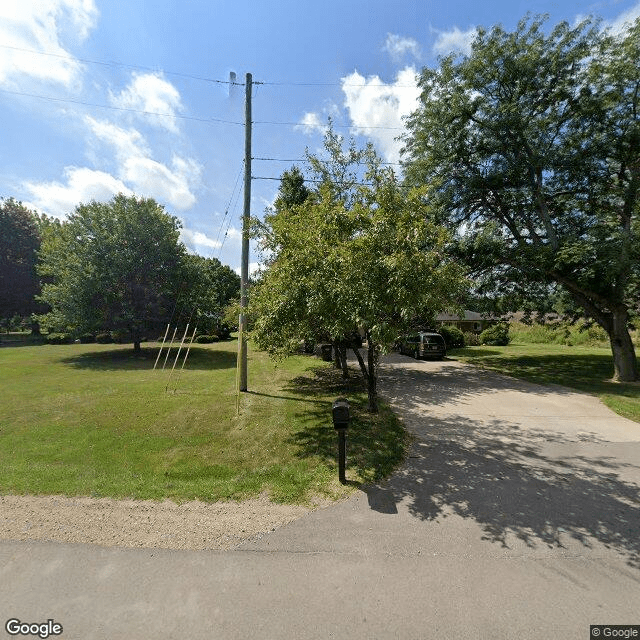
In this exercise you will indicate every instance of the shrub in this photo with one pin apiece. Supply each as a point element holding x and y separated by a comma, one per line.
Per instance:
<point>496,335</point>
<point>121,336</point>
<point>206,339</point>
<point>104,338</point>
<point>453,337</point>
<point>59,338</point>
<point>560,332</point>
<point>471,339</point>
<point>224,332</point>
<point>87,338</point>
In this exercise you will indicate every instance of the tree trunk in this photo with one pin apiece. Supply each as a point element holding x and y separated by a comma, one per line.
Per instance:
<point>342,350</point>
<point>336,355</point>
<point>363,367</point>
<point>136,346</point>
<point>372,378</point>
<point>625,365</point>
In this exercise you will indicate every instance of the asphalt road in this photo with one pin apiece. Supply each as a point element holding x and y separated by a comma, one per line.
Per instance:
<point>516,516</point>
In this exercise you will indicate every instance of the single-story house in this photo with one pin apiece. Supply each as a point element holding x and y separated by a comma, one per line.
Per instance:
<point>472,321</point>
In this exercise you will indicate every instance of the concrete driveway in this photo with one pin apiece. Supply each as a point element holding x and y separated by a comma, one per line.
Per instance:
<point>517,515</point>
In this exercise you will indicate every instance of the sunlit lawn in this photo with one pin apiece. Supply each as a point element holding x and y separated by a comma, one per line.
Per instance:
<point>588,369</point>
<point>97,420</point>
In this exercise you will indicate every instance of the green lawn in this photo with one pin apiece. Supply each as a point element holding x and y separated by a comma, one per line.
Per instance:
<point>588,369</point>
<point>96,420</point>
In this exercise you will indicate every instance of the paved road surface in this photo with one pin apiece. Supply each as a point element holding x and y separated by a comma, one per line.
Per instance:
<point>517,516</point>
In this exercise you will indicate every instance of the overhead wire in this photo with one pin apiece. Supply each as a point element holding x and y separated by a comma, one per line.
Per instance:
<point>233,207</point>
<point>229,204</point>
<point>121,65</point>
<point>399,164</point>
<point>202,78</point>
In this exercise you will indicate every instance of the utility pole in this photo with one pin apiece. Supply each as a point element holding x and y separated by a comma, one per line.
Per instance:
<point>244,266</point>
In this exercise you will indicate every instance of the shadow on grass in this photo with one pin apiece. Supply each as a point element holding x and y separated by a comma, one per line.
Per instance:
<point>22,342</point>
<point>277,397</point>
<point>125,359</point>
<point>591,373</point>
<point>376,443</point>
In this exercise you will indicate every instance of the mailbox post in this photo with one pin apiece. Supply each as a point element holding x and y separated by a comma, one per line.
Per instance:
<point>340,413</point>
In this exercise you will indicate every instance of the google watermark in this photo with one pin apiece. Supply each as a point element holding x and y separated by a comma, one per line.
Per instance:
<point>46,629</point>
<point>615,631</point>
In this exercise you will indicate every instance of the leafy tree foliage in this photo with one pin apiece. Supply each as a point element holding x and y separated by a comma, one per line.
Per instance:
<point>350,256</point>
<point>113,266</point>
<point>19,244</point>
<point>212,286</point>
<point>534,140</point>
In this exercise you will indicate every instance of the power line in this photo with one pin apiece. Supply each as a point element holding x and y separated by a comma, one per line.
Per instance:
<point>121,65</point>
<point>114,108</point>
<point>337,84</point>
<point>316,181</point>
<point>201,78</point>
<point>399,164</point>
<point>339,126</point>
<point>228,208</point>
<point>182,117</point>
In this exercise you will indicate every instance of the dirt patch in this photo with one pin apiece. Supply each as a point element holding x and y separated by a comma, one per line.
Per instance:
<point>143,523</point>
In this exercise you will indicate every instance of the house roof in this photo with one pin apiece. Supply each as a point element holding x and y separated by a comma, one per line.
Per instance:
<point>454,317</point>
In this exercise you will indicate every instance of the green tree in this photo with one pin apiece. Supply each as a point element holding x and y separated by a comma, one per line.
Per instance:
<point>293,190</point>
<point>212,287</point>
<point>19,244</point>
<point>534,140</point>
<point>114,266</point>
<point>365,257</point>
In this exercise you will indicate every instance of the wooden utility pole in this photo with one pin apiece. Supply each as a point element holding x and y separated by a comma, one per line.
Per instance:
<point>244,266</point>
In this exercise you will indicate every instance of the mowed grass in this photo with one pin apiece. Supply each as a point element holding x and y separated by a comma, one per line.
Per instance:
<point>587,369</point>
<point>97,420</point>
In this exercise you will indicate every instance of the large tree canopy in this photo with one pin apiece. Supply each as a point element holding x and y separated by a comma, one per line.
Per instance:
<point>114,266</point>
<point>534,139</point>
<point>212,287</point>
<point>19,243</point>
<point>349,256</point>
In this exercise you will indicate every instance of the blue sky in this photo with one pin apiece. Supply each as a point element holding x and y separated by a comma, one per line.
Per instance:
<point>105,96</point>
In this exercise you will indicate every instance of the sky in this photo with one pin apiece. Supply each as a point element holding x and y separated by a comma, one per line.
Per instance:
<point>99,97</point>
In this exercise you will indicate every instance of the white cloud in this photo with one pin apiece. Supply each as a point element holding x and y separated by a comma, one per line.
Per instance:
<point>151,93</point>
<point>82,186</point>
<point>234,233</point>
<point>155,179</point>
<point>619,24</point>
<point>127,142</point>
<point>254,267</point>
<point>373,103</point>
<point>147,176</point>
<point>193,239</point>
<point>454,41</point>
<point>41,26</point>
<point>311,124</point>
<point>398,46</point>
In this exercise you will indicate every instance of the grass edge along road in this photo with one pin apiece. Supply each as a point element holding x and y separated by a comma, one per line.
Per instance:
<point>586,369</point>
<point>95,420</point>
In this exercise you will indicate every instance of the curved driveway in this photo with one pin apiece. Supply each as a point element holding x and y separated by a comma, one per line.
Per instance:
<point>516,515</point>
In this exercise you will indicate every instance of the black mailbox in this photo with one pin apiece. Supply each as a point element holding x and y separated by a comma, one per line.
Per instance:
<point>341,413</point>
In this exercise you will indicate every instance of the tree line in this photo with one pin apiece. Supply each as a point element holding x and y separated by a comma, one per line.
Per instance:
<point>521,184</point>
<point>521,180</point>
<point>110,266</point>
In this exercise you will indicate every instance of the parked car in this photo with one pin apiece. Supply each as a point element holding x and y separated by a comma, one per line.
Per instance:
<point>426,344</point>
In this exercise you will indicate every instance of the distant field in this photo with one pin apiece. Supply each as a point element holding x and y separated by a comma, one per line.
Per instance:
<point>95,420</point>
<point>588,369</point>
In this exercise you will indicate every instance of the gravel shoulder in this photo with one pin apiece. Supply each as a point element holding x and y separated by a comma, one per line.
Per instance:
<point>144,523</point>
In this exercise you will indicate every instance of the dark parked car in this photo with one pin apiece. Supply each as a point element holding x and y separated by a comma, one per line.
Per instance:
<point>425,344</point>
